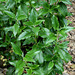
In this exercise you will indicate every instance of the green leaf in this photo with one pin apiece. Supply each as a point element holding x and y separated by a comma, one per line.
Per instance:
<point>2,7</point>
<point>33,16</point>
<point>8,28</point>
<point>49,39</point>
<point>64,44</point>
<point>20,71</point>
<point>25,9</point>
<point>28,58</point>
<point>17,1</point>
<point>19,65</point>
<point>24,35</point>
<point>68,28</point>
<point>30,54</point>
<point>3,45</point>
<point>66,2</point>
<point>62,9</point>
<point>20,14</point>
<point>29,71</point>
<point>39,57</point>
<point>39,71</point>
<point>15,29</point>
<point>16,49</point>
<point>59,66</point>
<point>13,63</point>
<point>33,66</point>
<point>36,30</point>
<point>65,56</point>
<point>48,23</point>
<point>38,22</point>
<point>10,4</point>
<point>44,32</point>
<point>10,14</point>
<point>52,1</point>
<point>10,71</point>
<point>0,38</point>
<point>29,23</point>
<point>50,65</point>
<point>55,23</point>
<point>29,40</point>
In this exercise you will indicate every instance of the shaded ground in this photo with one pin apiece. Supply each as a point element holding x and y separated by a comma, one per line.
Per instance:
<point>70,67</point>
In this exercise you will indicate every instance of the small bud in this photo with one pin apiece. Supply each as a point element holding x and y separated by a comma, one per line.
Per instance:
<point>4,64</point>
<point>4,59</point>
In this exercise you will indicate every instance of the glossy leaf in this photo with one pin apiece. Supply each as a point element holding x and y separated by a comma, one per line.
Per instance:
<point>50,39</point>
<point>25,34</point>
<point>50,65</point>
<point>44,32</point>
<point>10,14</point>
<point>59,66</point>
<point>66,1</point>
<point>28,41</point>
<point>15,29</point>
<point>16,49</point>
<point>48,23</point>
<point>20,14</point>
<point>52,1</point>
<point>28,23</point>
<point>30,54</point>
<point>8,28</point>
<point>36,30</point>
<point>39,57</point>
<point>65,56</point>
<point>33,16</point>
<point>19,64</point>
<point>38,22</point>
<point>55,23</point>
<point>62,9</point>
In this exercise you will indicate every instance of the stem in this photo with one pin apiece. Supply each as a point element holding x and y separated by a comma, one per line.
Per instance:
<point>30,3</point>
<point>35,39</point>
<point>57,38</point>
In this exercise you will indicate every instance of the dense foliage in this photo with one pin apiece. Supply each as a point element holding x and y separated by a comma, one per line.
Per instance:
<point>32,36</point>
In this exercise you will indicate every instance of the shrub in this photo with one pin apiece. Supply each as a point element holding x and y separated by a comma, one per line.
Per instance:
<point>36,31</point>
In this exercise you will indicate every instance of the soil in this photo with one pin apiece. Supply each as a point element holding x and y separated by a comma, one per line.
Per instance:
<point>70,67</point>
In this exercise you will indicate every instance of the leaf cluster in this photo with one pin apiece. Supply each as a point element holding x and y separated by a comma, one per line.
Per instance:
<point>35,30</point>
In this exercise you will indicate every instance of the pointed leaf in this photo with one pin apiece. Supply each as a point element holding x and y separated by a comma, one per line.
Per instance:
<point>62,9</point>
<point>50,39</point>
<point>33,16</point>
<point>16,49</point>
<point>10,14</point>
<point>38,22</point>
<point>20,14</point>
<point>52,1</point>
<point>44,32</point>
<point>15,29</point>
<point>59,66</point>
<point>29,23</point>
<point>55,23</point>
<point>30,54</point>
<point>39,57</point>
<point>65,56</point>
<point>36,30</point>
<point>24,35</point>
<point>66,2</point>
<point>50,65</point>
